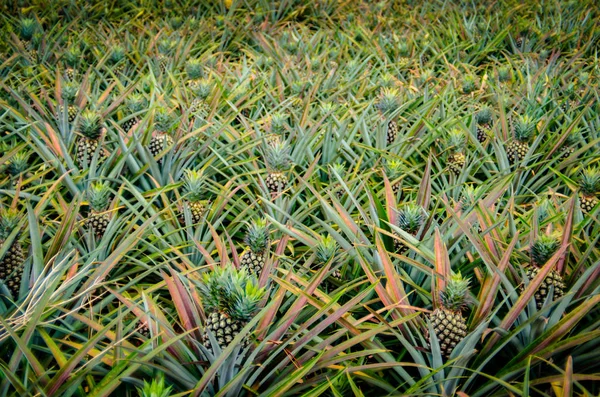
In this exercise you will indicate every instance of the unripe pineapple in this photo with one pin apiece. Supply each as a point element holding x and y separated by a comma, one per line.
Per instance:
<point>504,74</point>
<point>17,165</point>
<point>542,250</point>
<point>340,169</point>
<point>117,59</point>
<point>325,251</point>
<point>134,104</point>
<point>394,170</point>
<point>11,264</point>
<point>90,127</point>
<point>570,144</point>
<point>69,93</point>
<point>257,240</point>
<point>194,68</point>
<point>230,298</point>
<point>276,127</point>
<point>72,58</point>
<point>518,147</point>
<point>410,219</point>
<point>161,140</point>
<point>389,102</point>
<point>483,119</point>
<point>278,164</point>
<point>27,30</point>
<point>194,192</point>
<point>448,322</point>
<point>98,197</point>
<point>456,146</point>
<point>201,90</point>
<point>589,186</point>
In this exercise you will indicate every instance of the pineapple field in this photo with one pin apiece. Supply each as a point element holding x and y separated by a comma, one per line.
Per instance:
<point>299,198</point>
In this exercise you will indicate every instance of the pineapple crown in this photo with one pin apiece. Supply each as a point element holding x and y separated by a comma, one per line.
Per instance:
<point>201,88</point>
<point>484,116</point>
<point>387,80</point>
<point>165,46</point>
<point>194,68</point>
<point>27,27</point>
<point>9,220</point>
<point>72,56</point>
<point>155,389</point>
<point>456,140</point>
<point>468,84</point>
<point>340,168</point>
<point>469,196</point>
<point>90,124</point>
<point>394,168</point>
<point>454,297</point>
<point>389,100</point>
<point>135,102</point>
<point>278,157</point>
<point>257,236</point>
<point>18,163</point>
<point>543,209</point>
<point>504,73</point>
<point>230,291</point>
<point>162,119</point>
<point>69,91</point>
<point>524,128</point>
<point>278,122</point>
<point>403,49</point>
<point>326,249</point>
<point>410,218</point>
<point>193,183</point>
<point>543,248</point>
<point>98,196</point>
<point>590,181</point>
<point>117,54</point>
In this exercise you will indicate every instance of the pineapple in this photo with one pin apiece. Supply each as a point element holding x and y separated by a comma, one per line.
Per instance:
<point>230,298</point>
<point>134,104</point>
<point>155,389</point>
<point>278,163</point>
<point>27,29</point>
<point>447,320</point>
<point>483,119</point>
<point>518,147</point>
<point>161,140</point>
<point>456,146</point>
<point>276,127</point>
<point>17,165</point>
<point>257,239</point>
<point>69,93</point>
<point>195,72</point>
<point>542,250</point>
<point>165,48</point>
<point>504,74</point>
<point>394,169</point>
<point>98,197</point>
<point>325,251</point>
<point>117,60</point>
<point>201,90</point>
<point>387,105</point>
<point>340,169</point>
<point>90,127</point>
<point>11,264</point>
<point>570,144</point>
<point>468,85</point>
<point>410,219</point>
<point>72,58</point>
<point>193,183</point>
<point>589,186</point>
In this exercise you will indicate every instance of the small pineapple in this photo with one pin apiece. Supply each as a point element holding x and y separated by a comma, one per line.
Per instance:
<point>27,29</point>
<point>410,219</point>
<point>278,163</point>
<point>201,90</point>
<point>456,146</point>
<point>11,264</point>
<point>230,298</point>
<point>134,104</point>
<point>340,169</point>
<point>257,239</point>
<point>194,184</point>
<point>165,48</point>
<point>276,127</point>
<point>447,320</point>
<point>483,119</point>
<point>589,186</point>
<point>389,101</point>
<point>161,140</point>
<point>542,250</point>
<point>117,60</point>
<point>90,127</point>
<point>569,145</point>
<point>325,251</point>
<point>394,169</point>
<point>194,69</point>
<point>98,197</point>
<point>155,389</point>
<point>69,93</point>
<point>72,58</point>
<point>17,165</point>
<point>518,147</point>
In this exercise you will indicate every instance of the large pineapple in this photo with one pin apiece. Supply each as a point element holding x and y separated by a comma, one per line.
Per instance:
<point>69,93</point>
<point>90,127</point>
<point>483,119</point>
<point>542,250</point>
<point>410,219</point>
<point>326,251</point>
<point>98,197</point>
<point>456,151</point>
<point>134,104</point>
<point>447,320</point>
<point>161,139</point>
<point>589,187</point>
<point>518,147</point>
<point>11,264</point>
<point>278,164</point>
<point>389,101</point>
<point>257,240</point>
<point>194,192</point>
<point>230,298</point>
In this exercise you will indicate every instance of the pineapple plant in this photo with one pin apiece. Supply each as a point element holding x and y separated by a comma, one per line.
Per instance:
<point>410,219</point>
<point>569,145</point>
<point>518,147</point>
<point>468,85</point>
<point>447,321</point>
<point>155,389</point>
<point>200,87</point>
<point>589,186</point>
<point>193,185</point>
<point>90,129</point>
<point>340,169</point>
<point>325,251</point>
<point>394,169</point>
<point>117,59</point>
<point>17,165</point>
<point>230,298</point>
<point>388,104</point>
<point>541,251</point>
<point>98,196</point>
<point>134,104</point>
<point>161,138</point>
<point>72,58</point>
<point>165,49</point>
<point>257,241</point>
<point>483,119</point>
<point>69,93</point>
<point>278,163</point>
<point>456,151</point>
<point>276,127</point>
<point>11,264</point>
<point>27,30</point>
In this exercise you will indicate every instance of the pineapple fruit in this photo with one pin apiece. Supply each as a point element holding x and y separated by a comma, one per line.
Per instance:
<point>230,298</point>
<point>90,127</point>
<point>134,104</point>
<point>11,264</point>
<point>483,118</point>
<point>518,147</point>
<point>394,170</point>
<point>456,146</point>
<point>98,198</point>
<point>27,30</point>
<point>69,93</point>
<point>165,49</point>
<point>340,169</point>
<point>200,87</point>
<point>117,60</point>
<point>257,240</point>
<point>17,165</point>
<point>447,320</point>
<point>278,164</point>
<point>325,251</point>
<point>389,101</point>
<point>161,140</point>
<point>72,58</point>
<point>589,186</point>
<point>410,219</point>
<point>542,250</point>
<point>155,389</point>
<point>193,184</point>
<point>276,127</point>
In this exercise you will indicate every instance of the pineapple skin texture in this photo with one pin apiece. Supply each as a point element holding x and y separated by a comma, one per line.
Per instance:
<point>552,279</point>
<point>449,327</point>
<point>224,328</point>
<point>11,267</point>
